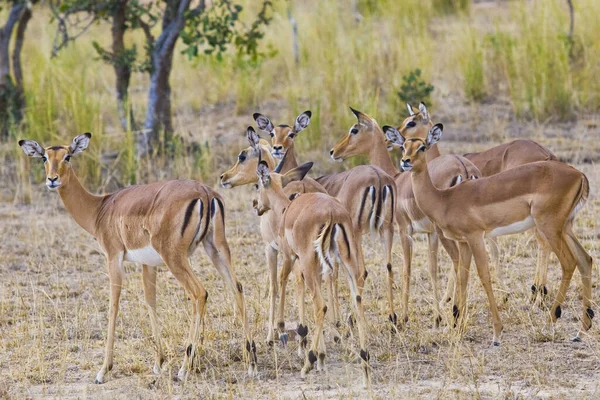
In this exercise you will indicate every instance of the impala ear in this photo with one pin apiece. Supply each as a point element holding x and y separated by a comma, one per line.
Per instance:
<point>410,110</point>
<point>296,174</point>
<point>301,123</point>
<point>253,138</point>
<point>424,112</point>
<point>435,133</point>
<point>393,135</point>
<point>32,148</point>
<point>264,176</point>
<point>264,123</point>
<point>80,143</point>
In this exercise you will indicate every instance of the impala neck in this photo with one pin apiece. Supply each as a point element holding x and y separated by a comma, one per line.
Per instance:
<point>290,160</point>
<point>379,155</point>
<point>432,153</point>
<point>81,204</point>
<point>279,201</point>
<point>426,194</point>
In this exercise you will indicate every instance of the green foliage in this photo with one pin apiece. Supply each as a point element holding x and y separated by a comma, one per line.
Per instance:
<point>414,89</point>
<point>474,72</point>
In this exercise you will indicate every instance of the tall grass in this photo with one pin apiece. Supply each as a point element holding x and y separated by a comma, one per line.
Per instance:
<point>513,50</point>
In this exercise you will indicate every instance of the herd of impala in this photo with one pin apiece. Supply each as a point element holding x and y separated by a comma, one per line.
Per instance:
<point>317,225</point>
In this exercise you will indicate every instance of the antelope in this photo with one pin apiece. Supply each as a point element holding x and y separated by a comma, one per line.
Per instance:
<point>366,137</point>
<point>546,195</point>
<point>503,157</point>
<point>153,224</point>
<point>371,211</point>
<point>243,173</point>
<point>315,230</point>
<point>491,162</point>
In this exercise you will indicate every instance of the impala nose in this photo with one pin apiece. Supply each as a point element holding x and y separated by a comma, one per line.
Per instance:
<point>331,152</point>
<point>53,180</point>
<point>221,177</point>
<point>277,148</point>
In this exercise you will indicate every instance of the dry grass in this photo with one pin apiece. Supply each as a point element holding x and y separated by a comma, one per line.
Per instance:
<point>54,301</point>
<point>53,281</point>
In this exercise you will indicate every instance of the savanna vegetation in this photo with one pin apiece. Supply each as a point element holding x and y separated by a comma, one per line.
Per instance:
<point>168,87</point>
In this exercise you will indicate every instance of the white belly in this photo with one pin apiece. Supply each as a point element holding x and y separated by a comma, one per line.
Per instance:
<point>146,255</point>
<point>517,227</point>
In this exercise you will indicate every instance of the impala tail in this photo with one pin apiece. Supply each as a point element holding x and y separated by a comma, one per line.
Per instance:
<point>581,198</point>
<point>323,247</point>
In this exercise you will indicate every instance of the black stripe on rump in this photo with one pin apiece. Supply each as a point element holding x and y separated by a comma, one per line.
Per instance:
<point>188,215</point>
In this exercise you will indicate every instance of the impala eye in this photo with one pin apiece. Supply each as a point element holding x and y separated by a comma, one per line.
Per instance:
<point>411,124</point>
<point>422,148</point>
<point>272,133</point>
<point>242,157</point>
<point>256,186</point>
<point>68,158</point>
<point>44,158</point>
<point>354,131</point>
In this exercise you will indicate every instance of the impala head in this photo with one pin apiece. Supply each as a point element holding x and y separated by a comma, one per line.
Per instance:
<point>244,170</point>
<point>56,158</point>
<point>413,149</point>
<point>360,138</point>
<point>416,125</point>
<point>271,184</point>
<point>282,136</point>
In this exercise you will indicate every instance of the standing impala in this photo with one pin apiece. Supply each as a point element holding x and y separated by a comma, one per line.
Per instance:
<point>154,224</point>
<point>244,173</point>
<point>367,192</point>
<point>366,137</point>
<point>546,195</point>
<point>493,161</point>
<point>316,230</point>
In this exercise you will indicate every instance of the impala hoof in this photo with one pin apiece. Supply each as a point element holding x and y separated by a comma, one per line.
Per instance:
<point>252,370</point>
<point>495,343</point>
<point>576,339</point>
<point>156,369</point>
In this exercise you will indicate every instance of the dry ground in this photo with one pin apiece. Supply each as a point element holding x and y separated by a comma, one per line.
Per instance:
<point>54,301</point>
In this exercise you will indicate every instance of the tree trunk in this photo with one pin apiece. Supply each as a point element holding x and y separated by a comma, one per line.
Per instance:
<point>7,87</point>
<point>16,63</point>
<point>158,113</point>
<point>122,69</point>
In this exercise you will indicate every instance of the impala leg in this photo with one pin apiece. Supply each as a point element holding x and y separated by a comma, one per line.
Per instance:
<point>180,267</point>
<point>313,284</point>
<point>451,248</point>
<point>387,235</point>
<point>584,264</point>
<point>218,251</point>
<point>331,281</point>
<point>433,245</point>
<point>285,273</point>
<point>302,327</point>
<point>406,242</point>
<point>497,267</point>
<point>539,289</point>
<point>115,275</point>
<point>149,278</point>
<point>459,309</point>
<point>481,261</point>
<point>271,255</point>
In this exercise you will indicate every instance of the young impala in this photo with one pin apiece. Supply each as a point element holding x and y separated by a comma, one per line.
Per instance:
<point>243,173</point>
<point>367,192</point>
<point>315,231</point>
<point>366,138</point>
<point>546,195</point>
<point>154,224</point>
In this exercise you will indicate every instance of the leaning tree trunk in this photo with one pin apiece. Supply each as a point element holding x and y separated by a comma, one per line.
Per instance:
<point>122,69</point>
<point>158,113</point>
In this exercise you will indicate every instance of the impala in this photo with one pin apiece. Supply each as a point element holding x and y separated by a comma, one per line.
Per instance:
<point>367,192</point>
<point>316,230</point>
<point>154,224</point>
<point>243,173</point>
<point>501,158</point>
<point>366,137</point>
<point>546,195</point>
<point>491,162</point>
